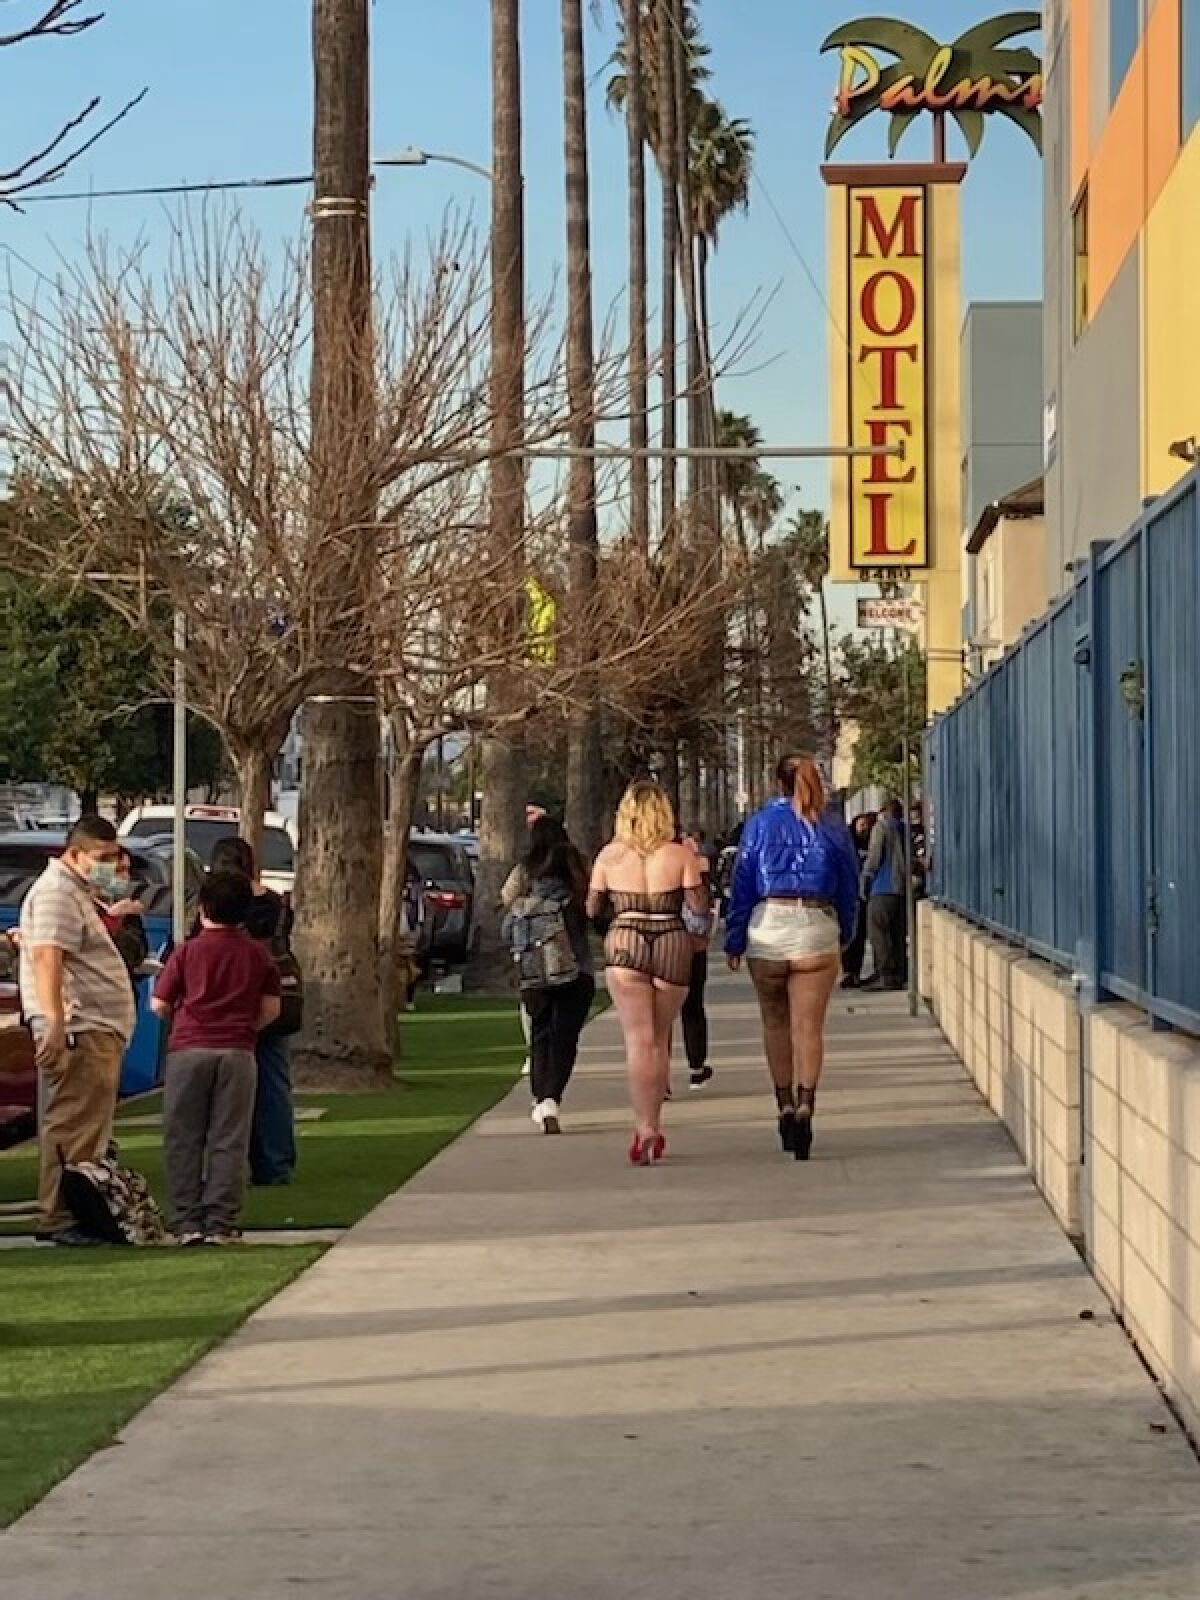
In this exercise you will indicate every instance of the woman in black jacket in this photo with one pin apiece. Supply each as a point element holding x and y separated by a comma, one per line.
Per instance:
<point>554,869</point>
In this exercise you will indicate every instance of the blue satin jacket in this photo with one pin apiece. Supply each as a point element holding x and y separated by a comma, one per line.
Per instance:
<point>784,857</point>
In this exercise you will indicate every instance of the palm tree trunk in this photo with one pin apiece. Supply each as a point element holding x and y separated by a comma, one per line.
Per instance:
<point>830,707</point>
<point>502,823</point>
<point>345,1035</point>
<point>670,250</point>
<point>583,742</point>
<point>639,360</point>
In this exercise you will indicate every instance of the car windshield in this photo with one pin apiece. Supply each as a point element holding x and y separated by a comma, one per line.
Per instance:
<point>434,862</point>
<point>204,834</point>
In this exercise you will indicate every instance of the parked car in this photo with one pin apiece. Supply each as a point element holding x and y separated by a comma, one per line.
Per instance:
<point>205,826</point>
<point>23,858</point>
<point>18,1090</point>
<point>444,867</point>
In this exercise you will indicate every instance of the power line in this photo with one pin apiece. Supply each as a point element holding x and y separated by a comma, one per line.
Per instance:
<point>171,188</point>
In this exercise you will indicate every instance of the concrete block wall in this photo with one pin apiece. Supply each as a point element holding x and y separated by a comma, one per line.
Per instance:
<point>1106,1115</point>
<point>1016,1026</point>
<point>1141,1190</point>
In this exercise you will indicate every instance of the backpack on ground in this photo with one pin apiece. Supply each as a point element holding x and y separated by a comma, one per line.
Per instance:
<point>536,933</point>
<point>112,1202</point>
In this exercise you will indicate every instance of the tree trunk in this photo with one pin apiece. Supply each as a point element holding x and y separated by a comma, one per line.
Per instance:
<point>830,707</point>
<point>403,788</point>
<point>502,824</point>
<point>253,766</point>
<point>345,1042</point>
<point>89,802</point>
<point>583,734</point>
<point>639,360</point>
<point>670,250</point>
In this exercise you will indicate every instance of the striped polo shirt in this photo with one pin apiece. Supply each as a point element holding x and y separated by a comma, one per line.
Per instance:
<point>97,995</point>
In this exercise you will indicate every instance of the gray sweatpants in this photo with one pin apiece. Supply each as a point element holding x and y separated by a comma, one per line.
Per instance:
<point>208,1108</point>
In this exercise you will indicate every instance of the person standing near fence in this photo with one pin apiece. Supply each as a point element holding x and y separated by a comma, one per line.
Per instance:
<point>884,878</point>
<point>855,952</point>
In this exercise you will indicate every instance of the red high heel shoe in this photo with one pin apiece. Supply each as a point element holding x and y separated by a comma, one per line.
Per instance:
<point>647,1152</point>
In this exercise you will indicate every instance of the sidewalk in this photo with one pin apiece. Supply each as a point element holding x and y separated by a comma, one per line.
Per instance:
<point>538,1374</point>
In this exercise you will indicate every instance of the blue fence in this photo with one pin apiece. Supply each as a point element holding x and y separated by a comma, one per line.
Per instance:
<point>1064,786</point>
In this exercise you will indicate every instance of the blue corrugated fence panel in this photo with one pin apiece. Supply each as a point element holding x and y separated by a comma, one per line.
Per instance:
<point>1009,770</point>
<point>1173,713</point>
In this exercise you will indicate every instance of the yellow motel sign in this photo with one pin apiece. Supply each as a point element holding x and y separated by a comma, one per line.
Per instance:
<point>894,380</point>
<point>886,380</point>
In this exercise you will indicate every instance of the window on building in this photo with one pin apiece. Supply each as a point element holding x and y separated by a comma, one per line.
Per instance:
<point>1191,65</point>
<point>1125,20</point>
<point>1079,255</point>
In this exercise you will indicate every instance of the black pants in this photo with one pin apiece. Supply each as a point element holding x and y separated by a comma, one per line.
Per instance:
<point>855,952</point>
<point>887,924</point>
<point>556,1019</point>
<point>693,1016</point>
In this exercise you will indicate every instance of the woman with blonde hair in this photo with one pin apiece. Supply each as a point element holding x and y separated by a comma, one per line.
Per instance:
<point>793,908</point>
<point>651,893</point>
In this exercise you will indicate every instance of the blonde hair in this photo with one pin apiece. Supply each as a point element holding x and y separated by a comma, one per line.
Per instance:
<point>645,818</point>
<point>800,780</point>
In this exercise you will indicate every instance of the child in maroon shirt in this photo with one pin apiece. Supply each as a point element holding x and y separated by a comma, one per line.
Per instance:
<point>218,990</point>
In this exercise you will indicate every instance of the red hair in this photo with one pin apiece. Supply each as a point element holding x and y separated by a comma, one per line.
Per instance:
<point>800,779</point>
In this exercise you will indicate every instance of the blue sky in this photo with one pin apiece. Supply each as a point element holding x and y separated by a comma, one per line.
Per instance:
<point>230,90</point>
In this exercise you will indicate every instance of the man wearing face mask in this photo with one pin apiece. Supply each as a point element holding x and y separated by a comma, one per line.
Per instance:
<point>76,992</point>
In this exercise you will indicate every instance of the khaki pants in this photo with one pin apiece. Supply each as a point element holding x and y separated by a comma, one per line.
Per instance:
<point>78,1100</point>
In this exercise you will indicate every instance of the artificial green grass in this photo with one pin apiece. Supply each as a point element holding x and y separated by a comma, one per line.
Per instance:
<point>88,1337</point>
<point>459,1056</point>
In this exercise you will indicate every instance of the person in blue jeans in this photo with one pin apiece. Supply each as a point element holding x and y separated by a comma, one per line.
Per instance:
<point>273,1133</point>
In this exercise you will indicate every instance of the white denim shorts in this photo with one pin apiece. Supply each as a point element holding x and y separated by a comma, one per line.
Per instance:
<point>792,931</point>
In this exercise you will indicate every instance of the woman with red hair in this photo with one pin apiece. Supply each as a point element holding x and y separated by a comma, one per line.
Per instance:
<point>793,907</point>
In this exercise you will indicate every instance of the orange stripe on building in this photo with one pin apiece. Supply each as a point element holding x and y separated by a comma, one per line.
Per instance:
<point>1135,154</point>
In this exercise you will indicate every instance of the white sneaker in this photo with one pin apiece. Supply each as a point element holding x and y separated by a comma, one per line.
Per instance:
<point>545,1115</point>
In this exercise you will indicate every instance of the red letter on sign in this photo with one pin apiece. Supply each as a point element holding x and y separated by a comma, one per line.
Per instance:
<point>906,312</point>
<point>903,228</point>
<point>888,356</point>
<point>880,549</point>
<point>877,431</point>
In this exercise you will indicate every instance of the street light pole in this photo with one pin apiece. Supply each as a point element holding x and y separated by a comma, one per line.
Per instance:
<point>179,785</point>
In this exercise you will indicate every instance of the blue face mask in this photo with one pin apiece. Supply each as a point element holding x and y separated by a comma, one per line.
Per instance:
<point>103,876</point>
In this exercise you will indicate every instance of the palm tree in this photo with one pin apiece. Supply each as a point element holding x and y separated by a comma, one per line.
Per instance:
<point>809,539</point>
<point>722,158</point>
<point>502,825</point>
<point>583,746</point>
<point>639,360</point>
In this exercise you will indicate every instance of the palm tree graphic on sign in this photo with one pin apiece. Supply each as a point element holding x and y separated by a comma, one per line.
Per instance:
<point>967,79</point>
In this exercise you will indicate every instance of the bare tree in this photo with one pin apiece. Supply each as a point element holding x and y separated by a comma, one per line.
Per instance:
<point>58,19</point>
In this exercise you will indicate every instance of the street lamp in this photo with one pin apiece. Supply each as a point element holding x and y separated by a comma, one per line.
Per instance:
<point>412,156</point>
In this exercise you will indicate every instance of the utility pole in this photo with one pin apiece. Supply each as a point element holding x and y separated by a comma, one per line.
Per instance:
<point>502,821</point>
<point>346,1037</point>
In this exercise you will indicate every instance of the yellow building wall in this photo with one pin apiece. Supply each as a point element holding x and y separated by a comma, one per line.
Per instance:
<point>943,582</point>
<point>1171,313</point>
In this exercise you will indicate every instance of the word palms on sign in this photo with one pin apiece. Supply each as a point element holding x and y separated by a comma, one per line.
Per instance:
<point>967,80</point>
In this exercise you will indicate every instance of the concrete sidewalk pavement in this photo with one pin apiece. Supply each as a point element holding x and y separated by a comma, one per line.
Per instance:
<point>537,1373</point>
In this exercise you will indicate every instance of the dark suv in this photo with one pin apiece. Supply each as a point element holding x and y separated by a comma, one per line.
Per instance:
<point>448,883</point>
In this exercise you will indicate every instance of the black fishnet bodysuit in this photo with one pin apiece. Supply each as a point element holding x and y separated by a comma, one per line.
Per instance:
<point>648,936</point>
